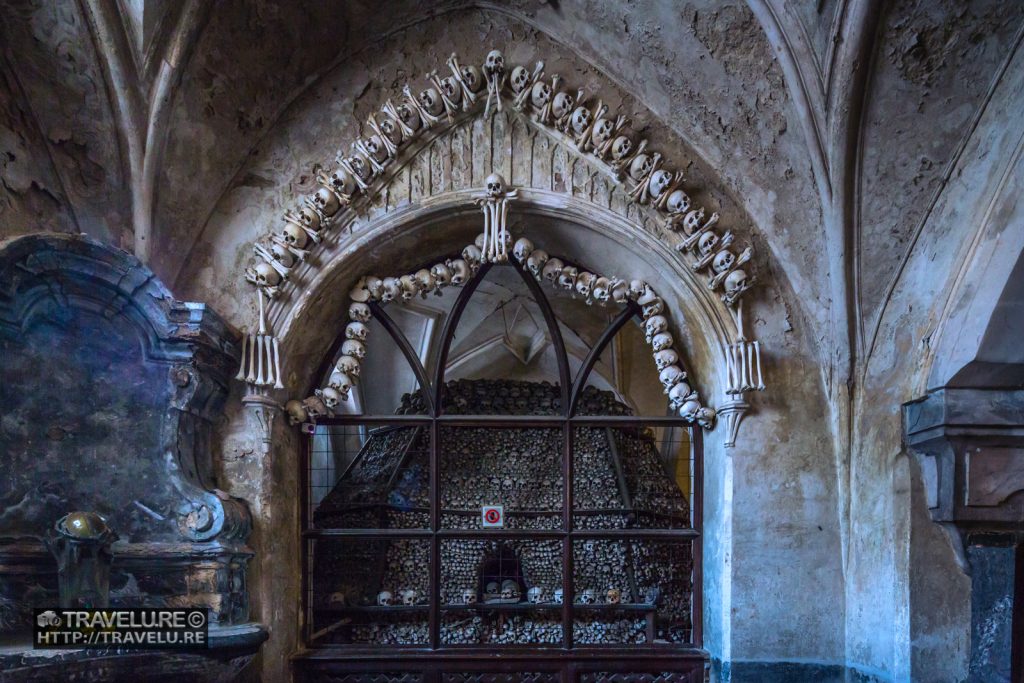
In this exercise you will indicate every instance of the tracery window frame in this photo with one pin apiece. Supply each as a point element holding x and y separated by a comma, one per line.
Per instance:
<point>571,389</point>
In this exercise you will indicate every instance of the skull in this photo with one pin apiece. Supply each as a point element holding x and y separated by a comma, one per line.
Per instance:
<point>495,185</point>
<point>426,280</point>
<point>359,165</point>
<point>679,393</point>
<point>472,78</point>
<point>472,255</point>
<point>509,589</point>
<point>384,598</point>
<point>552,270</point>
<point>410,287</point>
<point>294,235</point>
<point>665,358</point>
<point>340,382</point>
<point>460,271</point>
<point>620,292</point>
<point>296,413</point>
<point>357,331</point>
<point>409,116</point>
<point>567,278</point>
<point>540,95</point>
<point>392,289</point>
<point>360,312</point>
<point>520,79</point>
<point>452,89</point>
<point>602,289</point>
<point>613,596</point>
<point>706,418</point>
<point>654,306</point>
<point>375,286</point>
<point>431,101</point>
<point>330,397</point>
<point>348,365</point>
<point>535,595</point>
<point>562,104</point>
<point>522,249</point>
<point>688,411</point>
<point>359,293</point>
<point>264,274</point>
<point>670,376</point>
<point>580,119</point>
<point>602,131</point>
<point>678,202</point>
<point>354,348</point>
<point>558,596</point>
<point>621,147</point>
<point>723,261</point>
<point>535,262</point>
<point>659,182</point>
<point>492,587</point>
<point>326,201</point>
<point>409,597</point>
<point>661,341</point>
<point>393,132</point>
<point>707,243</point>
<point>654,325</point>
<point>588,597</point>
<point>585,283</point>
<point>735,282</point>
<point>375,147</point>
<point>342,181</point>
<point>468,594</point>
<point>494,63</point>
<point>442,274</point>
<point>640,167</point>
<point>637,289</point>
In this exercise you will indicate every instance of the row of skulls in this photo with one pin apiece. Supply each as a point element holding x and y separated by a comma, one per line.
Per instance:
<point>585,123</point>
<point>592,288</point>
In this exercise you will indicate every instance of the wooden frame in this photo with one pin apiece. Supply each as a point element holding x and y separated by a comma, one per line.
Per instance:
<point>565,658</point>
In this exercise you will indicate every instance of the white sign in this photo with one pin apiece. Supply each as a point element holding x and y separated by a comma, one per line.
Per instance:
<point>492,516</point>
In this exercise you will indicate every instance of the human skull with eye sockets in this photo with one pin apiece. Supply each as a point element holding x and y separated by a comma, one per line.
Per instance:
<point>331,397</point>
<point>263,275</point>
<point>342,182</point>
<point>349,365</point>
<point>723,261</point>
<point>735,284</point>
<point>679,393</point>
<point>442,275</point>
<point>471,254</point>
<point>359,311</point>
<point>620,292</point>
<point>588,597</point>
<point>354,348</point>
<point>385,599</point>
<point>340,382</point>
<point>535,263</point>
<point>602,290</point>
<point>580,120</point>
<point>460,271</point>
<point>552,270</point>
<point>661,341</point>
<point>426,281</point>
<point>522,250</point>
<point>452,89</point>
<point>376,147</point>
<point>678,203</point>
<point>562,105</point>
<point>613,596</point>
<point>409,286</point>
<point>431,101</point>
<point>663,359</point>
<point>294,236</point>
<point>494,63</point>
<point>519,79</point>
<point>707,242</point>
<point>391,131</point>
<point>688,411</point>
<point>637,288</point>
<point>495,185</point>
<point>472,78</point>
<point>326,202</point>
<point>603,129</point>
<point>654,325</point>
<point>296,413</point>
<point>540,95</point>
<point>640,167</point>
<point>409,116</point>
<point>567,278</point>
<point>375,286</point>
<point>585,285</point>
<point>357,331</point>
<point>392,289</point>
<point>659,182</point>
<point>706,417</point>
<point>535,595</point>
<point>670,376</point>
<point>651,306</point>
<point>621,148</point>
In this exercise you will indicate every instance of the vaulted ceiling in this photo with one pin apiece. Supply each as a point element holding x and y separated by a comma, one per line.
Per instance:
<point>835,125</point>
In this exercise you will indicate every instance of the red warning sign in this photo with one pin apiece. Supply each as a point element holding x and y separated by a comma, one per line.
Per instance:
<point>493,516</point>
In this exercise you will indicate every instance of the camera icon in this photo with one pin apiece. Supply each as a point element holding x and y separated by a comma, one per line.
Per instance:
<point>48,618</point>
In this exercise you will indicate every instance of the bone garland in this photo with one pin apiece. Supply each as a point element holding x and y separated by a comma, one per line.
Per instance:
<point>261,355</point>
<point>457,272</point>
<point>592,131</point>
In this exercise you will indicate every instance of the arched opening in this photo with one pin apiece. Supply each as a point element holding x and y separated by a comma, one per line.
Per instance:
<point>533,507</point>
